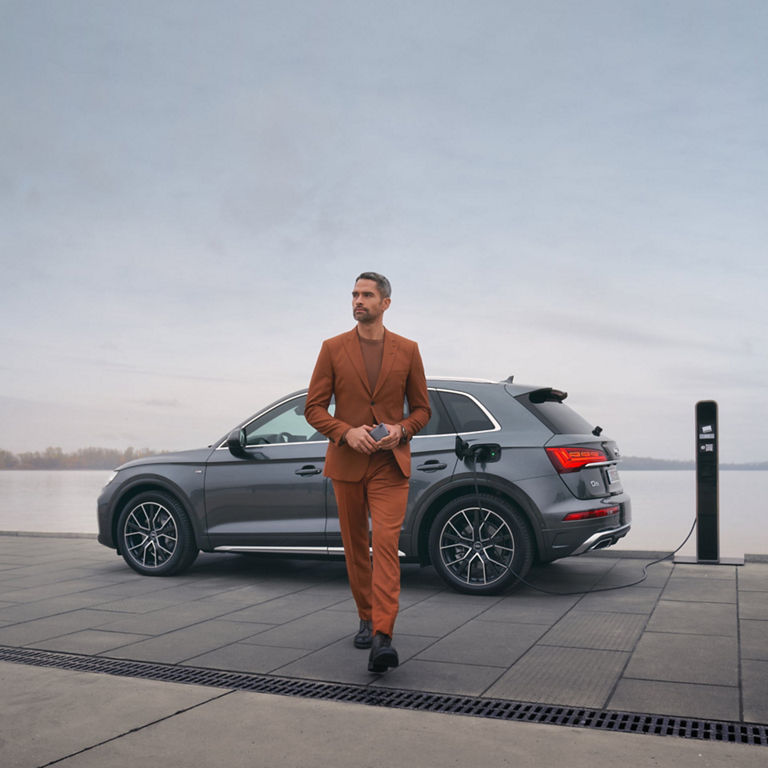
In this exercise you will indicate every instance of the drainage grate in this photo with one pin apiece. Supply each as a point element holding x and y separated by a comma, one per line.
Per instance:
<point>627,722</point>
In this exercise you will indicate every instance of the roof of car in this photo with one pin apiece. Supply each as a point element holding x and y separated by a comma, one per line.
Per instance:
<point>512,388</point>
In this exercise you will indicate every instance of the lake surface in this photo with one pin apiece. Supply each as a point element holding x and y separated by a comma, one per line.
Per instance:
<point>663,507</point>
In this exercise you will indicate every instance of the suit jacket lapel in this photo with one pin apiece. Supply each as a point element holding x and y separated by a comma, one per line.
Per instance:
<point>388,358</point>
<point>352,346</point>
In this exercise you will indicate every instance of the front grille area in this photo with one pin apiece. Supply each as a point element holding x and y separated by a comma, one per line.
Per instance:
<point>626,722</point>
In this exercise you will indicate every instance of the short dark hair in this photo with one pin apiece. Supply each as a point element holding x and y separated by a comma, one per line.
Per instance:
<point>385,289</point>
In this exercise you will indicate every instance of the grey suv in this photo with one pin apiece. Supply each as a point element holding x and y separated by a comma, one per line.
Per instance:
<point>502,476</point>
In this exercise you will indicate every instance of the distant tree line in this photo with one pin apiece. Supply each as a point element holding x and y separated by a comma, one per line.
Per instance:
<point>83,458</point>
<point>108,458</point>
<point>647,463</point>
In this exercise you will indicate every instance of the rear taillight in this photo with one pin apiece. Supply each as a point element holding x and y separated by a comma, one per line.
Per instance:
<point>573,458</point>
<point>592,513</point>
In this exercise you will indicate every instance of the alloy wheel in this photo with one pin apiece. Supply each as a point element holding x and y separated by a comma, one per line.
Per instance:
<point>477,546</point>
<point>151,535</point>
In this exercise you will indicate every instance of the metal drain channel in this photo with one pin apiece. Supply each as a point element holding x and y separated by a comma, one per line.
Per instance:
<point>500,709</point>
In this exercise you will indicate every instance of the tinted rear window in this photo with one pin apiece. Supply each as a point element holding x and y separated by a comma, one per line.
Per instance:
<point>558,417</point>
<point>455,412</point>
<point>465,414</point>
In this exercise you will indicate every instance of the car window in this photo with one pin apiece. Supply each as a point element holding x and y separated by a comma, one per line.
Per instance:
<point>466,415</point>
<point>558,417</point>
<point>285,423</point>
<point>452,412</point>
<point>439,423</point>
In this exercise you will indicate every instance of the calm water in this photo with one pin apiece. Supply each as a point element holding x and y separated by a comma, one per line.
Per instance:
<point>664,507</point>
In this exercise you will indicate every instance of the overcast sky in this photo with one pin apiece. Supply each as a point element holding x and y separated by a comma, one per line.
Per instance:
<point>575,193</point>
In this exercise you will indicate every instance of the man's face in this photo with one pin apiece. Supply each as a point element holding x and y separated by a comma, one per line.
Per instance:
<point>367,304</point>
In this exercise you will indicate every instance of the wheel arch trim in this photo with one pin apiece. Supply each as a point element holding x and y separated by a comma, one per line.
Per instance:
<point>148,483</point>
<point>464,485</point>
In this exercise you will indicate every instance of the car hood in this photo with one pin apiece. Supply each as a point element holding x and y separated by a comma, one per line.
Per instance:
<point>195,456</point>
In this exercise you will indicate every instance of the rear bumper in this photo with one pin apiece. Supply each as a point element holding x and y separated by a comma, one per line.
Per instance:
<point>602,539</point>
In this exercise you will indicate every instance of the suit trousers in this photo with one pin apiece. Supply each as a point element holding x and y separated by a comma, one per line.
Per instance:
<point>375,582</point>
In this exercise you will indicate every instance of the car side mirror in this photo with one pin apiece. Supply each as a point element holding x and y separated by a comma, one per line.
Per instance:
<point>236,444</point>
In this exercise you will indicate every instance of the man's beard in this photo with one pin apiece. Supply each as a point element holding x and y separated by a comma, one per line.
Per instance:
<point>364,317</point>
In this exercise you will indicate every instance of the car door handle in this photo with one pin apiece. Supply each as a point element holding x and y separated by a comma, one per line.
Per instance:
<point>431,466</point>
<point>308,469</point>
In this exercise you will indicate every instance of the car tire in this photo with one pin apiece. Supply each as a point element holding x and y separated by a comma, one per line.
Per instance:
<point>154,535</point>
<point>480,549</point>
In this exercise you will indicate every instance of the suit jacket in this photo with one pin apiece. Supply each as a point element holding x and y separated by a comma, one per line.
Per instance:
<point>340,372</point>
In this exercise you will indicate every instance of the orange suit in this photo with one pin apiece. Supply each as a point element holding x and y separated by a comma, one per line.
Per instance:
<point>377,483</point>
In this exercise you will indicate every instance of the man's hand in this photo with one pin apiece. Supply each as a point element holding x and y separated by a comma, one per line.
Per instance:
<point>360,440</point>
<point>392,439</point>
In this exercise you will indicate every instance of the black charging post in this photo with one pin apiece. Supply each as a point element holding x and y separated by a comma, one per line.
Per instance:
<point>707,483</point>
<point>708,489</point>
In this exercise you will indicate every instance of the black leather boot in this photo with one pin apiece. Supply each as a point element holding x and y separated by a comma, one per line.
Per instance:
<point>364,635</point>
<point>383,655</point>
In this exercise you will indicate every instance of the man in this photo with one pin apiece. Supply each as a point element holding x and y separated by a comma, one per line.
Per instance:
<point>370,371</point>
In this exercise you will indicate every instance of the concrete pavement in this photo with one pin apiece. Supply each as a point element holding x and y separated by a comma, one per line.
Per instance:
<point>690,641</point>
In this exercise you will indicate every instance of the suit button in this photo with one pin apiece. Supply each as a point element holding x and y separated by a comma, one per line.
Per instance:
<point>372,402</point>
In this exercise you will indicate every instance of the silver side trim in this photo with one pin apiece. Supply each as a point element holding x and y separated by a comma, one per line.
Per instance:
<point>611,463</point>
<point>262,446</point>
<point>291,550</point>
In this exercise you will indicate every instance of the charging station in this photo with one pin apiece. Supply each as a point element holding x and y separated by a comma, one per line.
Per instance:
<point>707,483</point>
<point>708,489</point>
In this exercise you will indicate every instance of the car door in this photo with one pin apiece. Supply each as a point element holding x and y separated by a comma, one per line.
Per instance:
<point>275,499</point>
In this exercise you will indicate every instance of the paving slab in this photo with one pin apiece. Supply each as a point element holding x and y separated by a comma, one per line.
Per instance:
<point>14,613</point>
<point>753,605</point>
<point>599,631</point>
<point>712,660</point>
<point>440,677</point>
<point>573,676</point>
<point>342,662</point>
<point>705,572</point>
<point>530,608</point>
<point>51,590</point>
<point>628,572</point>
<point>754,578</point>
<point>246,657</point>
<point>715,702</point>
<point>640,600</point>
<point>89,642</point>
<point>48,627</point>
<point>498,644</point>
<point>564,577</point>
<point>434,617</point>
<point>754,639</point>
<point>169,619</point>
<point>51,713</point>
<point>308,632</point>
<point>700,590</point>
<point>184,644</point>
<point>754,685</point>
<point>695,618</point>
<point>282,609</point>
